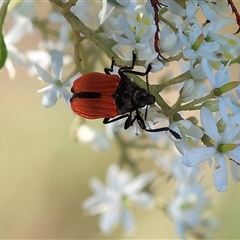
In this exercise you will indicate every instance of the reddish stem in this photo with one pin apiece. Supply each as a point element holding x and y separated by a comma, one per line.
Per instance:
<point>235,11</point>
<point>156,6</point>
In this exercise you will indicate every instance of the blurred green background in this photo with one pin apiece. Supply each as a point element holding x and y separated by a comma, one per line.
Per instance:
<point>44,174</point>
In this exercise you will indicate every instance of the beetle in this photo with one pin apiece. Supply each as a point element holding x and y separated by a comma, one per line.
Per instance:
<point>113,97</point>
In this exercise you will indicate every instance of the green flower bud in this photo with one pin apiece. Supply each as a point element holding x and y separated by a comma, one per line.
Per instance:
<point>226,147</point>
<point>198,42</point>
<point>221,125</point>
<point>225,88</point>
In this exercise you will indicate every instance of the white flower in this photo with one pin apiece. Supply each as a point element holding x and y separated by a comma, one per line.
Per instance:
<point>209,8</point>
<point>97,138</point>
<point>85,11</point>
<point>169,41</point>
<point>223,144</point>
<point>229,43</point>
<point>196,47</point>
<point>136,31</point>
<point>221,77</point>
<point>186,209</point>
<point>55,87</point>
<point>187,130</point>
<point>189,91</point>
<point>21,27</point>
<point>152,59</point>
<point>116,201</point>
<point>174,8</point>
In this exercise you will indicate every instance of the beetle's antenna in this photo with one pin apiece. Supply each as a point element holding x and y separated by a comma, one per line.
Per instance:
<point>147,83</point>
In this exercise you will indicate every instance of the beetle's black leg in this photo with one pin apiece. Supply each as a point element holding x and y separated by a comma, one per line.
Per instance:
<point>129,121</point>
<point>109,120</point>
<point>163,129</point>
<point>109,70</point>
<point>134,58</point>
<point>129,70</point>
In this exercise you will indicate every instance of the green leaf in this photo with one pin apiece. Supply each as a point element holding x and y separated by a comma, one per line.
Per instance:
<point>3,51</point>
<point>3,48</point>
<point>3,12</point>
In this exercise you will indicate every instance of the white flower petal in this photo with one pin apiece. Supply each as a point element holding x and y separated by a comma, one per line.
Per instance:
<point>123,41</point>
<point>85,134</point>
<point>208,71</point>
<point>117,179</point>
<point>222,76</point>
<point>209,124</point>
<point>223,111</point>
<point>195,32</point>
<point>112,174</point>
<point>45,89</point>
<point>138,183</point>
<point>142,200</point>
<point>96,186</point>
<point>57,64</point>
<point>49,98</point>
<point>44,75</point>
<point>207,11</point>
<point>95,204</point>
<point>198,155</point>
<point>125,27</point>
<point>127,221</point>
<point>234,154</point>
<point>66,95</point>
<point>220,176</point>
<point>182,146</point>
<point>230,133</point>
<point>187,88</point>
<point>191,8</point>
<point>209,47</point>
<point>108,220</point>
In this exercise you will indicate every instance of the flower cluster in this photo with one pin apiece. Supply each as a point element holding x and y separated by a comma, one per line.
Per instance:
<point>162,34</point>
<point>116,201</point>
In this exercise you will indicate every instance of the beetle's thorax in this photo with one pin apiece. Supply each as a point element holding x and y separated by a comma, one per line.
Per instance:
<point>129,97</point>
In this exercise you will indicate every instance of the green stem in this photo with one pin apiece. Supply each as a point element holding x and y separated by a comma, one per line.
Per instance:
<point>192,105</point>
<point>79,27</point>
<point>70,4</point>
<point>162,19</point>
<point>181,78</point>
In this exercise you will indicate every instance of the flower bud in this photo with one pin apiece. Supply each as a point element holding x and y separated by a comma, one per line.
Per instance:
<point>226,88</point>
<point>226,147</point>
<point>168,42</point>
<point>198,42</point>
<point>187,88</point>
<point>193,120</point>
<point>229,54</point>
<point>221,125</point>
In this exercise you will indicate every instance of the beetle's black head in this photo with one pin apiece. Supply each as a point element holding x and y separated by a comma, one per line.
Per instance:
<point>142,98</point>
